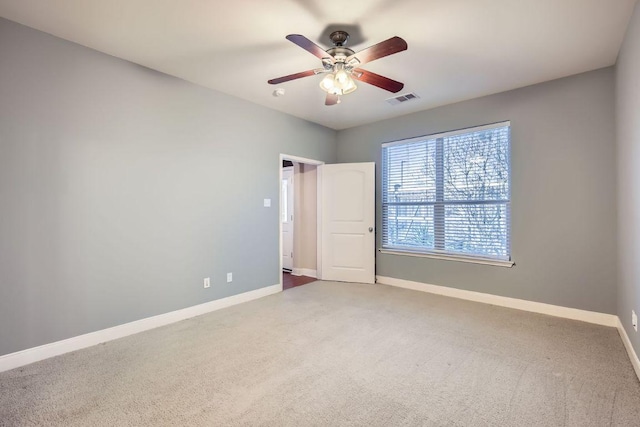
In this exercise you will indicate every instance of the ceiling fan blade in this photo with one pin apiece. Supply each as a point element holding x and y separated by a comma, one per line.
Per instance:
<point>331,99</point>
<point>377,80</point>
<point>380,50</point>
<point>292,77</point>
<point>308,45</point>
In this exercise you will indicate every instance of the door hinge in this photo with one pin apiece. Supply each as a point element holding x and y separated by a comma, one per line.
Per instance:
<point>291,254</point>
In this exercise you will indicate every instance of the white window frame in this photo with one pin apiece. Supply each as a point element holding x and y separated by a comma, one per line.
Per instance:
<point>442,254</point>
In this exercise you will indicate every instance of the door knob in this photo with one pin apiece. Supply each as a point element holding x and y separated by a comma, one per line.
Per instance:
<point>370,229</point>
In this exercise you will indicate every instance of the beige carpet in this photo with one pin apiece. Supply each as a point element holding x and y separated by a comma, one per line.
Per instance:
<point>331,354</point>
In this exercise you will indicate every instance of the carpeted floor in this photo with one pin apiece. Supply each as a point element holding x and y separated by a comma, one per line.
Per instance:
<point>334,354</point>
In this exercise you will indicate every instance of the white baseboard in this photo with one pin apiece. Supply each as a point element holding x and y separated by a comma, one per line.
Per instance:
<point>535,307</point>
<point>630,351</point>
<point>304,272</point>
<point>35,354</point>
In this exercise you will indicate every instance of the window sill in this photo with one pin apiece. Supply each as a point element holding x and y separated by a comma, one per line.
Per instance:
<point>473,260</point>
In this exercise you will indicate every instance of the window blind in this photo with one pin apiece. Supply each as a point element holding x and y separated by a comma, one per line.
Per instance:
<point>449,193</point>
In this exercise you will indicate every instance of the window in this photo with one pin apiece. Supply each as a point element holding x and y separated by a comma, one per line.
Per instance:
<point>448,194</point>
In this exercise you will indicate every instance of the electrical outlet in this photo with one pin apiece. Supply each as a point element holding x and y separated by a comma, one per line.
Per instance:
<point>634,320</point>
<point>207,282</point>
<point>229,277</point>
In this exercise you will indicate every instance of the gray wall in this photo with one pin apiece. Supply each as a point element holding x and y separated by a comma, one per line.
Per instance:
<point>628,135</point>
<point>563,191</point>
<point>122,188</point>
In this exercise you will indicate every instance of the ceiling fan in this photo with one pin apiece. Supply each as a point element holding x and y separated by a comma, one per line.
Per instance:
<point>340,64</point>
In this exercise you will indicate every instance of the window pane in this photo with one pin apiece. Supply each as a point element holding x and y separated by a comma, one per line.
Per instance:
<point>410,172</point>
<point>410,226</point>
<point>476,165</point>
<point>477,229</point>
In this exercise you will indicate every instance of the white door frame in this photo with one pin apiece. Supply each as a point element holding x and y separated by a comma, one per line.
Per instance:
<point>305,160</point>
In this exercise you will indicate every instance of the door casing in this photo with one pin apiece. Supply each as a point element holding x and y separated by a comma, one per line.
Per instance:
<point>305,160</point>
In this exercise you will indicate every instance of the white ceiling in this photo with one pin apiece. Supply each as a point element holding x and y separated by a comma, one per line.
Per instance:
<point>458,49</point>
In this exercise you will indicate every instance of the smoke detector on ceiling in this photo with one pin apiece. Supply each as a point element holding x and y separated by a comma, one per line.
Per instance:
<point>402,98</point>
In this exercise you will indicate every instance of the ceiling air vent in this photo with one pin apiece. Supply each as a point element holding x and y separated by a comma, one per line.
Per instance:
<point>402,98</point>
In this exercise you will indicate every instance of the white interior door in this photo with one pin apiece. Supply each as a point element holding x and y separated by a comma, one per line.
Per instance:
<point>286,199</point>
<point>348,222</point>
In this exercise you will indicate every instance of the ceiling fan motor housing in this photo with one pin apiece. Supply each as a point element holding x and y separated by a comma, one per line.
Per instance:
<point>340,54</point>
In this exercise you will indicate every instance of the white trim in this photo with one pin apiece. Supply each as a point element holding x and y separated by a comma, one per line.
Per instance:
<point>447,134</point>
<point>461,258</point>
<point>304,272</point>
<point>519,304</point>
<point>630,351</point>
<point>299,159</point>
<point>35,354</point>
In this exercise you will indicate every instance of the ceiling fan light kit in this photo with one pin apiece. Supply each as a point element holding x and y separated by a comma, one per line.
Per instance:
<point>338,83</point>
<point>339,64</point>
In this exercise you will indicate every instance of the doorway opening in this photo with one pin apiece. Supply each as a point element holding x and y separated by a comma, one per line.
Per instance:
<point>298,220</point>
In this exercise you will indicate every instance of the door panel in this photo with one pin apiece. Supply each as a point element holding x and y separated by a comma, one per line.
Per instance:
<point>347,189</point>
<point>343,256</point>
<point>348,221</point>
